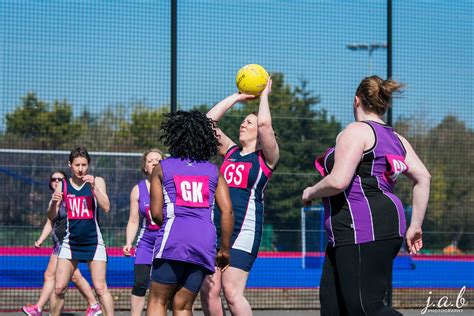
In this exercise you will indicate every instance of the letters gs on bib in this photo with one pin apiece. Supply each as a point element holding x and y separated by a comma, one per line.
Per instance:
<point>236,174</point>
<point>192,191</point>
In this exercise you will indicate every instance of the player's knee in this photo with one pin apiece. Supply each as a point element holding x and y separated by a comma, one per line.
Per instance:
<point>182,304</point>
<point>74,278</point>
<point>232,294</point>
<point>60,290</point>
<point>101,289</point>
<point>49,276</point>
<point>209,291</point>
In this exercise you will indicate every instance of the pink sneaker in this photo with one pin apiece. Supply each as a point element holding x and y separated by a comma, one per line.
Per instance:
<point>93,311</point>
<point>32,310</point>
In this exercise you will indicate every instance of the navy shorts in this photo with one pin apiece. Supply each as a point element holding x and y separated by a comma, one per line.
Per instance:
<point>241,259</point>
<point>172,272</point>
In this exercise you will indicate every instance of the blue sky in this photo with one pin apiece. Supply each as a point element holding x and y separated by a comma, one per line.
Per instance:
<point>98,54</point>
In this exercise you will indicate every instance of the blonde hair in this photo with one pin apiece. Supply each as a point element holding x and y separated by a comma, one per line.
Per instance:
<point>376,93</point>
<point>145,154</point>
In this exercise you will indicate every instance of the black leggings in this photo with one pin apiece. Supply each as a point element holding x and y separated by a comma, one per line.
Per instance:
<point>356,278</point>
<point>142,279</point>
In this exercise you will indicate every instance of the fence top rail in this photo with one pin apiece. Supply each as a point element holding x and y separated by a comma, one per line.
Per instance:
<point>65,152</point>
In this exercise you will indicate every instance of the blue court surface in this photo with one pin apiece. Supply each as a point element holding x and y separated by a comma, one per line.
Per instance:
<point>268,272</point>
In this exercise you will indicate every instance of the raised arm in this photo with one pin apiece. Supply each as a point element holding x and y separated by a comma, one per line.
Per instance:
<point>218,111</point>
<point>133,221</point>
<point>47,229</point>
<point>350,146</point>
<point>266,135</point>
<point>227,223</point>
<point>156,195</point>
<point>421,179</point>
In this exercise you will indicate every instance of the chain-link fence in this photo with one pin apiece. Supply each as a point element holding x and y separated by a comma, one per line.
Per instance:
<point>99,74</point>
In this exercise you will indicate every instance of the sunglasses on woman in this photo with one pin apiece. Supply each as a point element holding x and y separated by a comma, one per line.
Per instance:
<point>56,179</point>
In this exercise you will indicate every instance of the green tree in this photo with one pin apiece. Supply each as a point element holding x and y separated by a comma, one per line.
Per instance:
<point>41,125</point>
<point>446,150</point>
<point>144,128</point>
<point>105,132</point>
<point>451,150</point>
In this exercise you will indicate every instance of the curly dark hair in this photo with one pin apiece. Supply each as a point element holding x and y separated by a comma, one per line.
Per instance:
<point>190,135</point>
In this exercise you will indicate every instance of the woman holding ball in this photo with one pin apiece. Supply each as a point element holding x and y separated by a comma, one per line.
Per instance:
<point>247,169</point>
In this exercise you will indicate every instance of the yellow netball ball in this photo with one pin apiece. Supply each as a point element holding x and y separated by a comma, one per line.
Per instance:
<point>251,79</point>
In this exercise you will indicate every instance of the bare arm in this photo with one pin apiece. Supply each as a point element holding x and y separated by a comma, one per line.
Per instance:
<point>56,199</point>
<point>133,221</point>
<point>227,222</point>
<point>100,191</point>
<point>156,195</point>
<point>47,229</point>
<point>350,147</point>
<point>218,111</point>
<point>421,179</point>
<point>266,134</point>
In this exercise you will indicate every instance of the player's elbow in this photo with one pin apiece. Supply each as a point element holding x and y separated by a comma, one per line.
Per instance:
<point>106,207</point>
<point>264,126</point>
<point>423,178</point>
<point>340,183</point>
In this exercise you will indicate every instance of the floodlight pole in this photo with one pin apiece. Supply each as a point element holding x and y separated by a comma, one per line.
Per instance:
<point>389,58</point>
<point>173,96</point>
<point>370,48</point>
<point>389,112</point>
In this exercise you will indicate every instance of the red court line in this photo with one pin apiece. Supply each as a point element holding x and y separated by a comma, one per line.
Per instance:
<point>117,252</point>
<point>45,251</point>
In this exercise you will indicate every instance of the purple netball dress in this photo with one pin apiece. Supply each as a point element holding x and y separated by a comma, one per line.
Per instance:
<point>149,230</point>
<point>368,210</point>
<point>188,233</point>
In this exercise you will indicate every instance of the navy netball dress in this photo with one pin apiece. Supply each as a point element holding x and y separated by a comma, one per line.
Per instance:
<point>247,176</point>
<point>83,240</point>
